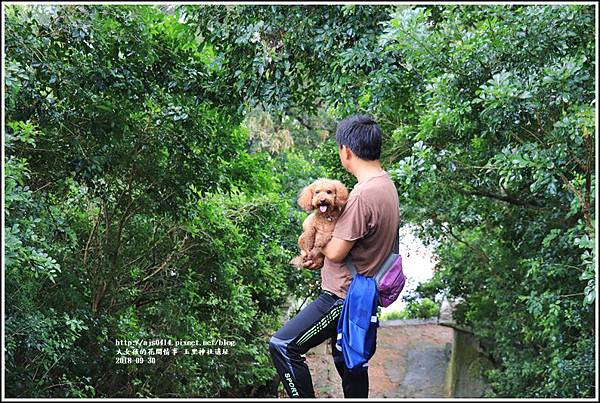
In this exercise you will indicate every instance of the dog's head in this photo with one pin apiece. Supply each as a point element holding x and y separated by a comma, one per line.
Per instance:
<point>323,195</point>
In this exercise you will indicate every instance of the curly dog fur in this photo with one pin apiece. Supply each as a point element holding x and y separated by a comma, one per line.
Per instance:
<point>326,199</point>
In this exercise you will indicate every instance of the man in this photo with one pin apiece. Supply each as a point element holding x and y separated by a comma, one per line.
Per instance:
<point>367,230</point>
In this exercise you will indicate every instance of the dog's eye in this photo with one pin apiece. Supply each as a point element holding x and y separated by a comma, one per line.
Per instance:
<point>317,192</point>
<point>329,192</point>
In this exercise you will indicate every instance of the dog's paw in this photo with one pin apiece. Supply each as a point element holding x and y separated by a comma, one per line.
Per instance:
<point>298,262</point>
<point>315,255</point>
<point>318,262</point>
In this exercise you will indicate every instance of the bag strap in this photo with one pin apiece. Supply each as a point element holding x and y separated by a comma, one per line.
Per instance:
<point>395,249</point>
<point>350,265</point>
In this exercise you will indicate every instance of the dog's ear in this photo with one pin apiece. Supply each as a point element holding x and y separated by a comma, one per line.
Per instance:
<point>305,199</point>
<point>341,193</point>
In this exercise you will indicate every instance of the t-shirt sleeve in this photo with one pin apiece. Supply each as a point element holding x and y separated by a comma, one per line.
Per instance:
<point>354,222</point>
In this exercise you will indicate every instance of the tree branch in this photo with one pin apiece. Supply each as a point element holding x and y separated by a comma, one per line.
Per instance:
<point>308,126</point>
<point>585,203</point>
<point>482,255</point>
<point>505,198</point>
<point>87,245</point>
<point>168,260</point>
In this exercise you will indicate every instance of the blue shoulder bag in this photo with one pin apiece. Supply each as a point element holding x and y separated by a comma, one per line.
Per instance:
<point>358,323</point>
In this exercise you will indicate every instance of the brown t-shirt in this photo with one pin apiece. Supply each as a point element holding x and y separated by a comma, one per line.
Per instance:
<point>371,217</point>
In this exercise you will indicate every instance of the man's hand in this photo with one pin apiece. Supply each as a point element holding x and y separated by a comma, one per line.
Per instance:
<point>309,264</point>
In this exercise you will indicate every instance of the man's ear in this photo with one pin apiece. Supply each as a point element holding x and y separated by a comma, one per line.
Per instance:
<point>346,152</point>
<point>305,199</point>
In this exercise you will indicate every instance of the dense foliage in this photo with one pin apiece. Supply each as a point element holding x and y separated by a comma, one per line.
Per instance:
<point>153,164</point>
<point>134,211</point>
<point>501,171</point>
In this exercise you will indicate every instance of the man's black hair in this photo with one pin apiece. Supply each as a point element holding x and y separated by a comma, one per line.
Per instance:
<point>361,134</point>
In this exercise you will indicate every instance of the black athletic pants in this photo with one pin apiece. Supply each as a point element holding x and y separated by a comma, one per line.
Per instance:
<point>313,325</point>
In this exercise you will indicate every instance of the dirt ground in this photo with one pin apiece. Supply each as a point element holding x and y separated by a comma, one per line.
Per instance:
<point>410,362</point>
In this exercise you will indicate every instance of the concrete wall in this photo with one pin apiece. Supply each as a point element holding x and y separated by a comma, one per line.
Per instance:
<point>464,376</point>
<point>410,362</point>
<point>414,359</point>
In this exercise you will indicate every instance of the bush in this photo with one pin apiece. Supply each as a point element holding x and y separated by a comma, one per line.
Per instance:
<point>416,309</point>
<point>392,315</point>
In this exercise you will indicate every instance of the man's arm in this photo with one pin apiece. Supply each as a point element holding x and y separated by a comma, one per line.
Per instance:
<point>335,250</point>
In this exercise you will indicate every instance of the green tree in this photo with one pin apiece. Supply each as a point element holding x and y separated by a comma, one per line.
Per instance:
<point>496,163</point>
<point>134,210</point>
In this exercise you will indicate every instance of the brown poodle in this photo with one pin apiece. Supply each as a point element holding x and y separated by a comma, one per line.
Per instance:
<point>327,198</point>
